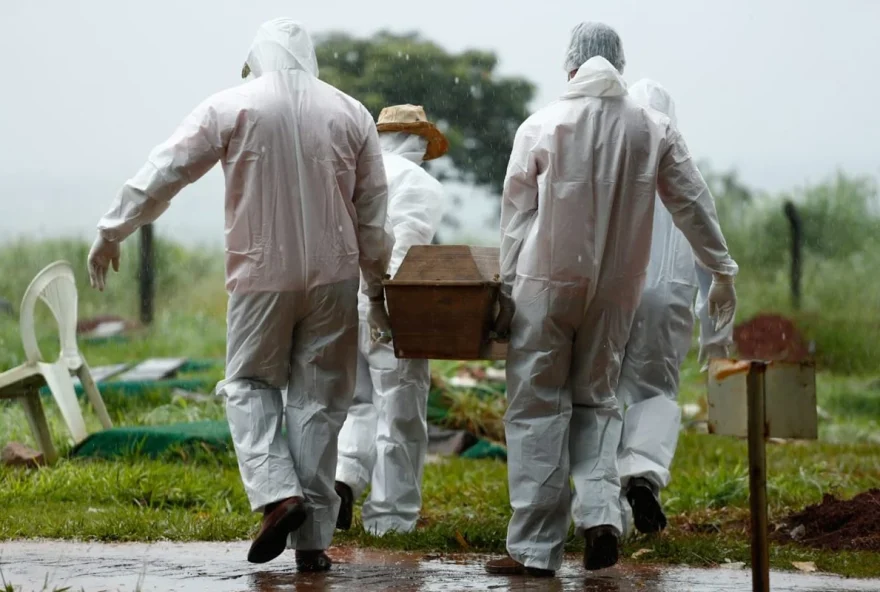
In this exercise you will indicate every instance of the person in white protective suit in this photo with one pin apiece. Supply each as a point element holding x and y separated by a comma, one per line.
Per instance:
<point>659,340</point>
<point>384,439</point>
<point>576,218</point>
<point>305,212</point>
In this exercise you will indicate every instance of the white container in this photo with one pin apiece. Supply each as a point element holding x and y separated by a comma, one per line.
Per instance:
<point>789,399</point>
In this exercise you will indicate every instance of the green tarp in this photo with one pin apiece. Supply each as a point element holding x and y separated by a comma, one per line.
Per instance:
<point>156,441</point>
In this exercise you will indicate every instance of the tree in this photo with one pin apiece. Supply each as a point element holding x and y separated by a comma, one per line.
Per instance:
<point>478,110</point>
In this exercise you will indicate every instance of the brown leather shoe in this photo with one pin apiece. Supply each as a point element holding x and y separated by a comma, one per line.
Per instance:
<point>279,520</point>
<point>601,547</point>
<point>312,561</point>
<point>511,567</point>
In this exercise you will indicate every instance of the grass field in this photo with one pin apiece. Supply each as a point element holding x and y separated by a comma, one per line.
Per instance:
<point>465,502</point>
<point>199,497</point>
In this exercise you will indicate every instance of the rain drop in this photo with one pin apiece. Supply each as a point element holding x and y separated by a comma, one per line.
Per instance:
<point>456,80</point>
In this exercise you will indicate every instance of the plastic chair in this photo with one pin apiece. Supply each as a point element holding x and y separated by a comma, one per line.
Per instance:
<point>55,285</point>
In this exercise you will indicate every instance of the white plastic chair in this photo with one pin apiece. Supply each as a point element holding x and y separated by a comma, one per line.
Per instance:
<point>54,285</point>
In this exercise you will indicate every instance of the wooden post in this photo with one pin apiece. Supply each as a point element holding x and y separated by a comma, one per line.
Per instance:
<point>758,477</point>
<point>794,220</point>
<point>146,274</point>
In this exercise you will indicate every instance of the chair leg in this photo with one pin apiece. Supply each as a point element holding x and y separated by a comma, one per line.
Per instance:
<point>91,389</point>
<point>33,409</point>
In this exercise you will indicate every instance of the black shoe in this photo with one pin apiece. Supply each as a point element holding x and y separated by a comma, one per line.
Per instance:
<point>647,511</point>
<point>346,506</point>
<point>601,547</point>
<point>279,520</point>
<point>312,561</point>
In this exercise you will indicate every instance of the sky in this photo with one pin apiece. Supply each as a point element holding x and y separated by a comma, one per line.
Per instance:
<point>783,91</point>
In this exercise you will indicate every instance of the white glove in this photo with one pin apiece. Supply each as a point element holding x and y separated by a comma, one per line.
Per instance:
<point>379,323</point>
<point>722,300</point>
<point>710,351</point>
<point>506,308</point>
<point>104,253</point>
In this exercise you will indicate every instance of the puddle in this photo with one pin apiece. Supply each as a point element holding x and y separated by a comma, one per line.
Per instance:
<point>221,567</point>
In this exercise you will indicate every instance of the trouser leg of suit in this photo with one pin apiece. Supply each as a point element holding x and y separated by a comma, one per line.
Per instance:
<point>357,439</point>
<point>658,344</point>
<point>258,346</point>
<point>322,378</point>
<point>596,420</point>
<point>537,420</point>
<point>400,395</point>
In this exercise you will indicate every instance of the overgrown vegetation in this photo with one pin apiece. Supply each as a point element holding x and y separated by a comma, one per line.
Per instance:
<point>199,497</point>
<point>841,253</point>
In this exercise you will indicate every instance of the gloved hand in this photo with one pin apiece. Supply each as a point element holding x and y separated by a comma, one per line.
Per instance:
<point>104,253</point>
<point>379,323</point>
<point>506,308</point>
<point>722,300</point>
<point>712,350</point>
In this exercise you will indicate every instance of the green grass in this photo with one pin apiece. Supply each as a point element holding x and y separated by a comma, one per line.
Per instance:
<point>190,302</point>
<point>10,587</point>
<point>465,503</point>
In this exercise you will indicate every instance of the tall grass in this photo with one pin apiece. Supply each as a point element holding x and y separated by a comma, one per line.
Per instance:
<point>840,308</point>
<point>190,301</point>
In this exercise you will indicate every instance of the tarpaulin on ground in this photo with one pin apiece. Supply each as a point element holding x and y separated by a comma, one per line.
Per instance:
<point>158,441</point>
<point>155,441</point>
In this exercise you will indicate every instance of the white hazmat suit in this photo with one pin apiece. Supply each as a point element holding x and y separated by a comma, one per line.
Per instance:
<point>659,340</point>
<point>384,440</point>
<point>576,219</point>
<point>305,211</point>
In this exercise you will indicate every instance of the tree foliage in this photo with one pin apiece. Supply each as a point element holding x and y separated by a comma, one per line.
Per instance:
<point>478,110</point>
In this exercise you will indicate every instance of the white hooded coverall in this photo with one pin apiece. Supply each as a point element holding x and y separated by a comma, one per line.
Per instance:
<point>660,338</point>
<point>384,439</point>
<point>576,218</point>
<point>305,211</point>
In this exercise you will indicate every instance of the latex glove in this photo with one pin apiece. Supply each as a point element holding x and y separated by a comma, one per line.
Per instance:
<point>707,352</point>
<point>104,253</point>
<point>379,323</point>
<point>722,300</point>
<point>506,308</point>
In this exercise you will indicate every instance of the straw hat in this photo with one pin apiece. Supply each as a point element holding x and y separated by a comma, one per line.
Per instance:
<point>412,120</point>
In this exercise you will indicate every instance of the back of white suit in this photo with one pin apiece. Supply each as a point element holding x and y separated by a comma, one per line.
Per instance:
<point>577,219</point>
<point>384,440</point>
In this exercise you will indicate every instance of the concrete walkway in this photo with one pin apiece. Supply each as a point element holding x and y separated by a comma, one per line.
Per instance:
<point>221,567</point>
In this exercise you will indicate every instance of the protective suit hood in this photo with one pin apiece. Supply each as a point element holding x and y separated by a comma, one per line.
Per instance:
<point>408,146</point>
<point>596,78</point>
<point>651,94</point>
<point>282,44</point>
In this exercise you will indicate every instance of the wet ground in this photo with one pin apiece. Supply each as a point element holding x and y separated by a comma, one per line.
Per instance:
<point>221,567</point>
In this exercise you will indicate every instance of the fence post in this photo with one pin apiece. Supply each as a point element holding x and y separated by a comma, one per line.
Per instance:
<point>794,220</point>
<point>146,274</point>
<point>757,423</point>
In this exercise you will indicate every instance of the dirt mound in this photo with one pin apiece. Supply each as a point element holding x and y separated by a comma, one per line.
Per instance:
<point>837,524</point>
<point>770,337</point>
